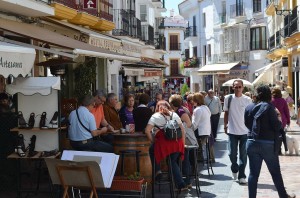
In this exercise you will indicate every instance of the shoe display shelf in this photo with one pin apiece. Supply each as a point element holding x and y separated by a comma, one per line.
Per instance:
<point>38,106</point>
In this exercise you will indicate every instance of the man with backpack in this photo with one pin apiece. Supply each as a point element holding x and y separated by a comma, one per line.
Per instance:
<point>234,107</point>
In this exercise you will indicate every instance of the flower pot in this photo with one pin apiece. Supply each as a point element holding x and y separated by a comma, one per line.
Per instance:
<point>123,184</point>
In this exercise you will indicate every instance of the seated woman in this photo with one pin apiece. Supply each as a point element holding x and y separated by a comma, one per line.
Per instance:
<point>176,104</point>
<point>125,112</point>
<point>161,147</point>
<point>142,113</point>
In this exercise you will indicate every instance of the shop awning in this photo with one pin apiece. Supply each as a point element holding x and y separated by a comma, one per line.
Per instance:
<point>15,60</point>
<point>266,75</point>
<point>216,68</point>
<point>78,47</point>
<point>33,85</point>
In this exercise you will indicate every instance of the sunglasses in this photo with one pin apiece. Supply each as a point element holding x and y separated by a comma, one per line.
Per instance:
<point>238,87</point>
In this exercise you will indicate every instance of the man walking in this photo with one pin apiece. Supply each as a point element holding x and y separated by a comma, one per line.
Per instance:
<point>234,107</point>
<point>215,107</point>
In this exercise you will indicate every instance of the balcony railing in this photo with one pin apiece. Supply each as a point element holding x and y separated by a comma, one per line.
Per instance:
<point>148,34</point>
<point>175,46</point>
<point>294,27</point>
<point>230,57</point>
<point>160,43</point>
<point>190,31</point>
<point>135,28</point>
<point>291,23</point>
<point>121,20</point>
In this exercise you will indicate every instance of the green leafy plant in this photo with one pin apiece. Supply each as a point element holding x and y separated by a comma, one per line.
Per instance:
<point>136,176</point>
<point>85,75</point>
<point>184,88</point>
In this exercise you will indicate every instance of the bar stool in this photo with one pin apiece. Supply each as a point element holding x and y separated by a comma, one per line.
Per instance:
<point>194,150</point>
<point>208,157</point>
<point>170,176</point>
<point>137,159</point>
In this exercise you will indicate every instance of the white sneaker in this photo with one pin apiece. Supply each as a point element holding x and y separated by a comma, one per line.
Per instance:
<point>242,181</point>
<point>235,176</point>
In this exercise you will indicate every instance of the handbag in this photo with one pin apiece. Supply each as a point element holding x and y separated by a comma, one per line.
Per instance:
<point>190,138</point>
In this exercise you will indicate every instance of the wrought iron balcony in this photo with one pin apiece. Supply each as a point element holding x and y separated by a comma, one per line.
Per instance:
<point>190,31</point>
<point>291,23</point>
<point>160,43</point>
<point>294,26</point>
<point>121,20</point>
<point>175,46</point>
<point>135,28</point>
<point>148,34</point>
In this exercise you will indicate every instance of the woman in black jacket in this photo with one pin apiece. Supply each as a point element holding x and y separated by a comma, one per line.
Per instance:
<point>263,124</point>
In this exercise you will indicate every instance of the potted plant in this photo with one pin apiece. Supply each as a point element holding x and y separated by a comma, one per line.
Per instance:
<point>133,182</point>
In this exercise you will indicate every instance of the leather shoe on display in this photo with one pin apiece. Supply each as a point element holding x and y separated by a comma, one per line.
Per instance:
<point>43,121</point>
<point>31,147</point>
<point>31,121</point>
<point>53,124</point>
<point>21,121</point>
<point>20,146</point>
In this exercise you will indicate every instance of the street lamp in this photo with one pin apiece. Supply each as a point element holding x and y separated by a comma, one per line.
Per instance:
<point>282,12</point>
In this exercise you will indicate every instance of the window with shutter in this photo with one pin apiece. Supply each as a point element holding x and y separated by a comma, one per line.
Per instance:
<point>174,45</point>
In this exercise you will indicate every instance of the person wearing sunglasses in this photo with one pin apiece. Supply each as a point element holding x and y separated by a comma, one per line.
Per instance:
<point>234,108</point>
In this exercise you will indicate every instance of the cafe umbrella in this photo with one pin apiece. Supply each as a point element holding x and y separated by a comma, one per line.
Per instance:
<point>246,83</point>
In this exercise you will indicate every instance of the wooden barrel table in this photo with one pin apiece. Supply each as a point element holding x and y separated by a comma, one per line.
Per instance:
<point>133,141</point>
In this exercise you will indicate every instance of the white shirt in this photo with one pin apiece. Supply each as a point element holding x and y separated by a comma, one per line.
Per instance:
<point>201,120</point>
<point>236,121</point>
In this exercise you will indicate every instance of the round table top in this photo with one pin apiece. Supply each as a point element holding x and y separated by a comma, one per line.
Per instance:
<point>135,134</point>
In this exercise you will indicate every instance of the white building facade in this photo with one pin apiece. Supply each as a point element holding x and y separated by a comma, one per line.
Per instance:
<point>232,39</point>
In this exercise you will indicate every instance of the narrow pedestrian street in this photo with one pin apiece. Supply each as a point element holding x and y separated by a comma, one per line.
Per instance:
<point>221,184</point>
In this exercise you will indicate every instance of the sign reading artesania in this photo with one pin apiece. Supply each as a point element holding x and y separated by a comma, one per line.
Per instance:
<point>9,64</point>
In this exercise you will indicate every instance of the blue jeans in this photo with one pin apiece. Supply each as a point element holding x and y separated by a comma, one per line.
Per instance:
<point>257,152</point>
<point>95,145</point>
<point>238,142</point>
<point>175,167</point>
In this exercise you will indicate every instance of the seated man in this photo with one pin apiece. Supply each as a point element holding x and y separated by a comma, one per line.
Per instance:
<point>110,113</point>
<point>98,113</point>
<point>83,128</point>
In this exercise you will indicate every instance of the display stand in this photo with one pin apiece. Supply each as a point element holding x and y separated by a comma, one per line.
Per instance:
<point>75,174</point>
<point>37,95</point>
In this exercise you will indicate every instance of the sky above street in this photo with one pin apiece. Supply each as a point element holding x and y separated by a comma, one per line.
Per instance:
<point>172,4</point>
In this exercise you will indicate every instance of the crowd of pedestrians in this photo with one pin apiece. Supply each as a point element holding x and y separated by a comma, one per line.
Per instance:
<point>250,122</point>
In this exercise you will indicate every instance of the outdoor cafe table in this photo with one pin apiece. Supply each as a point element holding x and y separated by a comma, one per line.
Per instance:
<point>133,141</point>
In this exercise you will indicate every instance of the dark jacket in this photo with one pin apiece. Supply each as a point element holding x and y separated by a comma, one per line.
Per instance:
<point>141,116</point>
<point>269,125</point>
